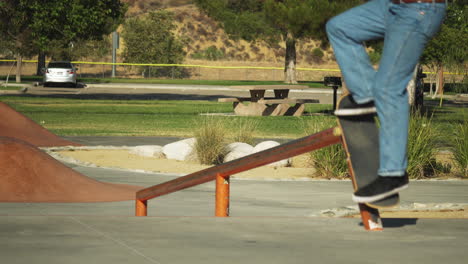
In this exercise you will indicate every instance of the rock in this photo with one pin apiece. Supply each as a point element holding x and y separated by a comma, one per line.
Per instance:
<point>270,144</point>
<point>181,150</point>
<point>237,150</point>
<point>148,151</point>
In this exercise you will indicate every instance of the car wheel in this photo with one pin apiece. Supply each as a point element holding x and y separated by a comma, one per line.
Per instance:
<point>45,84</point>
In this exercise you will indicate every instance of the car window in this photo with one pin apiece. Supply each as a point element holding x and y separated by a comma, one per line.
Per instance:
<point>65,65</point>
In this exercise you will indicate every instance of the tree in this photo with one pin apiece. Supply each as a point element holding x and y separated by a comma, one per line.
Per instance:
<point>149,39</point>
<point>275,20</point>
<point>36,26</point>
<point>449,47</point>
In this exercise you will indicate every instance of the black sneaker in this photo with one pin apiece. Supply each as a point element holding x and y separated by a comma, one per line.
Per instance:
<point>348,107</point>
<point>381,188</point>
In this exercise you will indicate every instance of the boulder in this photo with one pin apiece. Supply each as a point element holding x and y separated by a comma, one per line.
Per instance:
<point>270,144</point>
<point>237,150</point>
<point>181,150</point>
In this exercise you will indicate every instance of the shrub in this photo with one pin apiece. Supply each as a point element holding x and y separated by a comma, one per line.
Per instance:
<point>374,57</point>
<point>317,55</point>
<point>459,144</point>
<point>329,162</point>
<point>210,134</point>
<point>211,53</point>
<point>243,130</point>
<point>150,39</point>
<point>422,148</point>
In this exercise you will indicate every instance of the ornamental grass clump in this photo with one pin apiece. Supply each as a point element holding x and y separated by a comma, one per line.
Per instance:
<point>329,162</point>
<point>210,133</point>
<point>243,130</point>
<point>459,146</point>
<point>422,148</point>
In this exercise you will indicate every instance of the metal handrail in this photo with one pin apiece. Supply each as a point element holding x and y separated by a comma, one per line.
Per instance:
<point>223,171</point>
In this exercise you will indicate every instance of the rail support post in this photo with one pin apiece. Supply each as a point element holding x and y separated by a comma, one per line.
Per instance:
<point>141,208</point>
<point>222,196</point>
<point>370,218</point>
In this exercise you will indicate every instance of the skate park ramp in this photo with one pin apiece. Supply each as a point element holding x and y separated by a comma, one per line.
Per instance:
<point>16,125</point>
<point>28,174</point>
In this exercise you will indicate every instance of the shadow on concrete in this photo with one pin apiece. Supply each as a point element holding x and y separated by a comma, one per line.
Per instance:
<point>398,222</point>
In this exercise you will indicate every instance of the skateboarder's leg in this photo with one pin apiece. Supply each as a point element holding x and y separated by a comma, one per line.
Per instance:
<point>409,29</point>
<point>347,33</point>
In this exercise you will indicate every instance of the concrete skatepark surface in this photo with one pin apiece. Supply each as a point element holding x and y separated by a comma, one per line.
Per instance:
<point>30,175</point>
<point>271,222</point>
<point>16,125</point>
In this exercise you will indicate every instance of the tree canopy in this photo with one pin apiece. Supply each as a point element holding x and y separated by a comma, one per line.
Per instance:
<point>38,26</point>
<point>449,47</point>
<point>149,39</point>
<point>275,20</point>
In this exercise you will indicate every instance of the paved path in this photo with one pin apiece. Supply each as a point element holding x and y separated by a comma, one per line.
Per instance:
<point>271,222</point>
<point>164,92</point>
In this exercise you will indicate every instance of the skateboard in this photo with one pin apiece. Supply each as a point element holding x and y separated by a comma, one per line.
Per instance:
<point>361,142</point>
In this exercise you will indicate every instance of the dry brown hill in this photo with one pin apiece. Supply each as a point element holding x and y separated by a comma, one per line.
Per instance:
<point>203,32</point>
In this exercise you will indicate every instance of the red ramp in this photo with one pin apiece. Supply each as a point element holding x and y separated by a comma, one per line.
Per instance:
<point>17,125</point>
<point>27,174</point>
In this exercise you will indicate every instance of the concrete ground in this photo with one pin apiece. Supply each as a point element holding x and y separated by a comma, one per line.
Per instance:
<point>163,92</point>
<point>271,222</point>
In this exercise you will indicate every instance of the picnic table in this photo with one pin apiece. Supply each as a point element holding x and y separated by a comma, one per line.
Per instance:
<point>258,105</point>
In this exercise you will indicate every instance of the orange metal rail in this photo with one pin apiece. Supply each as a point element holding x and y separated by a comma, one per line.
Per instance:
<point>222,172</point>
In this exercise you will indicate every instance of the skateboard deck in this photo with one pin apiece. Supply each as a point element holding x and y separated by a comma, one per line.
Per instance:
<point>361,142</point>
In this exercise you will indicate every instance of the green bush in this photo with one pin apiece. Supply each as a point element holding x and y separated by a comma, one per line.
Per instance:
<point>374,57</point>
<point>329,162</point>
<point>210,134</point>
<point>150,39</point>
<point>211,53</point>
<point>459,144</point>
<point>422,148</point>
<point>317,55</point>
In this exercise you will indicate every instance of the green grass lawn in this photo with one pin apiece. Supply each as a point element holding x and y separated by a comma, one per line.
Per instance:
<point>10,88</point>
<point>77,117</point>
<point>143,117</point>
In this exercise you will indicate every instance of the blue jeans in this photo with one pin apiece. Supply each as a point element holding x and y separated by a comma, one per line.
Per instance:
<point>405,28</point>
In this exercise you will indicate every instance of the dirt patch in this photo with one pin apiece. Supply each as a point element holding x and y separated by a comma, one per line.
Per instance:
<point>123,159</point>
<point>452,214</point>
<point>405,210</point>
<point>300,170</point>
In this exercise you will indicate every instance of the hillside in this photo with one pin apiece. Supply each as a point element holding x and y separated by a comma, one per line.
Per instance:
<point>202,32</point>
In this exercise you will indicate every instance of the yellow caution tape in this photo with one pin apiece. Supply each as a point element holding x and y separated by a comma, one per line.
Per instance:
<point>204,66</point>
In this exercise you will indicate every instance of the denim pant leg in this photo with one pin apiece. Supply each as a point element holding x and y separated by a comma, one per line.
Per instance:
<point>409,28</point>
<point>346,33</point>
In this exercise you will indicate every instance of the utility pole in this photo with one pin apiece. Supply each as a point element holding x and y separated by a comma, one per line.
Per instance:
<point>115,46</point>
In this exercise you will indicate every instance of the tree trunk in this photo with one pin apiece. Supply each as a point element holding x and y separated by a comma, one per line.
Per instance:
<point>19,62</point>
<point>41,61</point>
<point>290,62</point>
<point>440,80</point>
